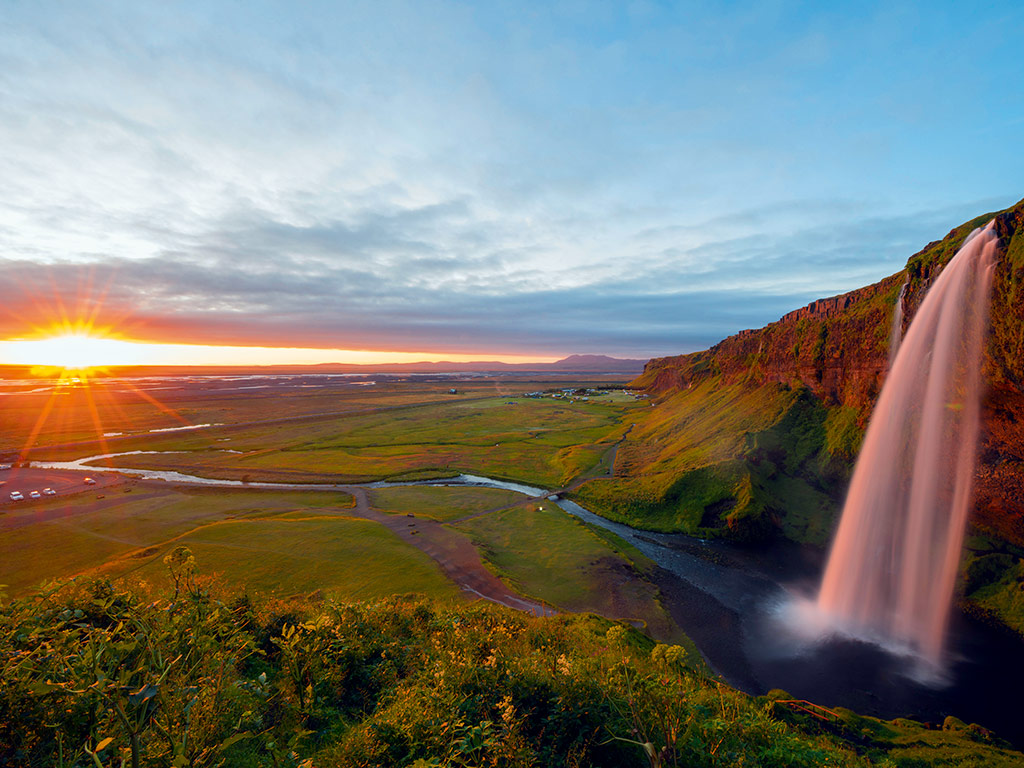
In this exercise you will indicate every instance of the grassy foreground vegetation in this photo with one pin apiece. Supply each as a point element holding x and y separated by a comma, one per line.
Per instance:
<point>95,676</point>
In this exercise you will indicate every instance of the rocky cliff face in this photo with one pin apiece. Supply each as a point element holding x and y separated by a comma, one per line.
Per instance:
<point>838,349</point>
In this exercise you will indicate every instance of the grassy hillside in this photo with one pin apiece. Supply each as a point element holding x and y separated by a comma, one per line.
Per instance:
<point>101,677</point>
<point>730,459</point>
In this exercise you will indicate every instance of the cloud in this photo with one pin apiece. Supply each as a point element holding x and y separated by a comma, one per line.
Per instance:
<point>449,178</point>
<point>412,280</point>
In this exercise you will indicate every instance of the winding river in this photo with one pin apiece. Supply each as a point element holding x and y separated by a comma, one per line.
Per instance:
<point>735,603</point>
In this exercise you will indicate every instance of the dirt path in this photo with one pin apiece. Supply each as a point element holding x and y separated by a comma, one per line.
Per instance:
<point>451,550</point>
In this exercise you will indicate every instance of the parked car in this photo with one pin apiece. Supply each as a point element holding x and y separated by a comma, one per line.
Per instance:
<point>35,494</point>
<point>49,492</point>
<point>89,481</point>
<point>16,496</point>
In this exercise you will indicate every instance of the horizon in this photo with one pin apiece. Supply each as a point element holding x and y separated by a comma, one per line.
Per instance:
<point>78,351</point>
<point>41,363</point>
<point>413,182</point>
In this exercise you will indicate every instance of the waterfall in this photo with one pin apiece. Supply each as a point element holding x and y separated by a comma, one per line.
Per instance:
<point>892,569</point>
<point>896,334</point>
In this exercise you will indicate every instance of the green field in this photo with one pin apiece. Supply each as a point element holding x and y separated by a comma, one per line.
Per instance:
<point>66,414</point>
<point>543,441</point>
<point>547,553</point>
<point>441,503</point>
<point>281,541</point>
<point>297,542</point>
<point>294,542</point>
<point>342,557</point>
<point>541,551</point>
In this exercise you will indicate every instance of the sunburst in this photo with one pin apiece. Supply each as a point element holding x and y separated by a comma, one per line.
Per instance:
<point>78,351</point>
<point>77,356</point>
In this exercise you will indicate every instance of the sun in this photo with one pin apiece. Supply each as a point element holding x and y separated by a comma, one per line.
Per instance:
<point>73,351</point>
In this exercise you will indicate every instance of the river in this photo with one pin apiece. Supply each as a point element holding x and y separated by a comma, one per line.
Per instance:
<point>735,603</point>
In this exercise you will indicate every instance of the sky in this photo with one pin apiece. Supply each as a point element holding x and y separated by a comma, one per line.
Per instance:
<point>493,180</point>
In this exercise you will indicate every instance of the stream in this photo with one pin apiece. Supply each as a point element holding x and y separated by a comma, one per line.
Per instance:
<point>737,604</point>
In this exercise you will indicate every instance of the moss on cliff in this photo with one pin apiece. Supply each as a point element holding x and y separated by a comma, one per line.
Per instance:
<point>729,460</point>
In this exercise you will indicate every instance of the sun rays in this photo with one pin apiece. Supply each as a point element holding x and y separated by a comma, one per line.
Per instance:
<point>76,351</point>
<point>74,356</point>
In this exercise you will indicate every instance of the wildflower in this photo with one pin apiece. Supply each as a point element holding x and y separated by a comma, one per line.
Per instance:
<point>615,634</point>
<point>668,654</point>
<point>506,709</point>
<point>675,654</point>
<point>563,664</point>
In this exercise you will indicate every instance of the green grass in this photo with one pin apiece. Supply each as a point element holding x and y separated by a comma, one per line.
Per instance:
<point>36,554</point>
<point>347,558</point>
<point>912,744</point>
<point>90,532</point>
<point>735,460</point>
<point>546,553</point>
<point>810,515</point>
<point>537,441</point>
<point>439,502</point>
<point>1003,595</point>
<point>120,409</point>
<point>843,433</point>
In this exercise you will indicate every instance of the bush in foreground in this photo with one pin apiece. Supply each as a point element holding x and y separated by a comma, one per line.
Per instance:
<point>96,676</point>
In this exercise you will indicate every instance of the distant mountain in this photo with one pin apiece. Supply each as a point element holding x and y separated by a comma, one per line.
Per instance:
<point>571,364</point>
<point>597,364</point>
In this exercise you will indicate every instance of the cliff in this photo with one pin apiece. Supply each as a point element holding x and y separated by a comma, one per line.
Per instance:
<point>756,437</point>
<point>837,349</point>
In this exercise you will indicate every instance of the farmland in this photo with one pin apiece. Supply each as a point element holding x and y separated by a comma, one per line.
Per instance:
<point>339,539</point>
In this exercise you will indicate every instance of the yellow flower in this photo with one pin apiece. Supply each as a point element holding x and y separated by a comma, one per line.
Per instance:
<point>615,634</point>
<point>564,666</point>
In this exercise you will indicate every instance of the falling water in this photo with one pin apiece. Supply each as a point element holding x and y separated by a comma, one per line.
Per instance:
<point>896,334</point>
<point>892,569</point>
